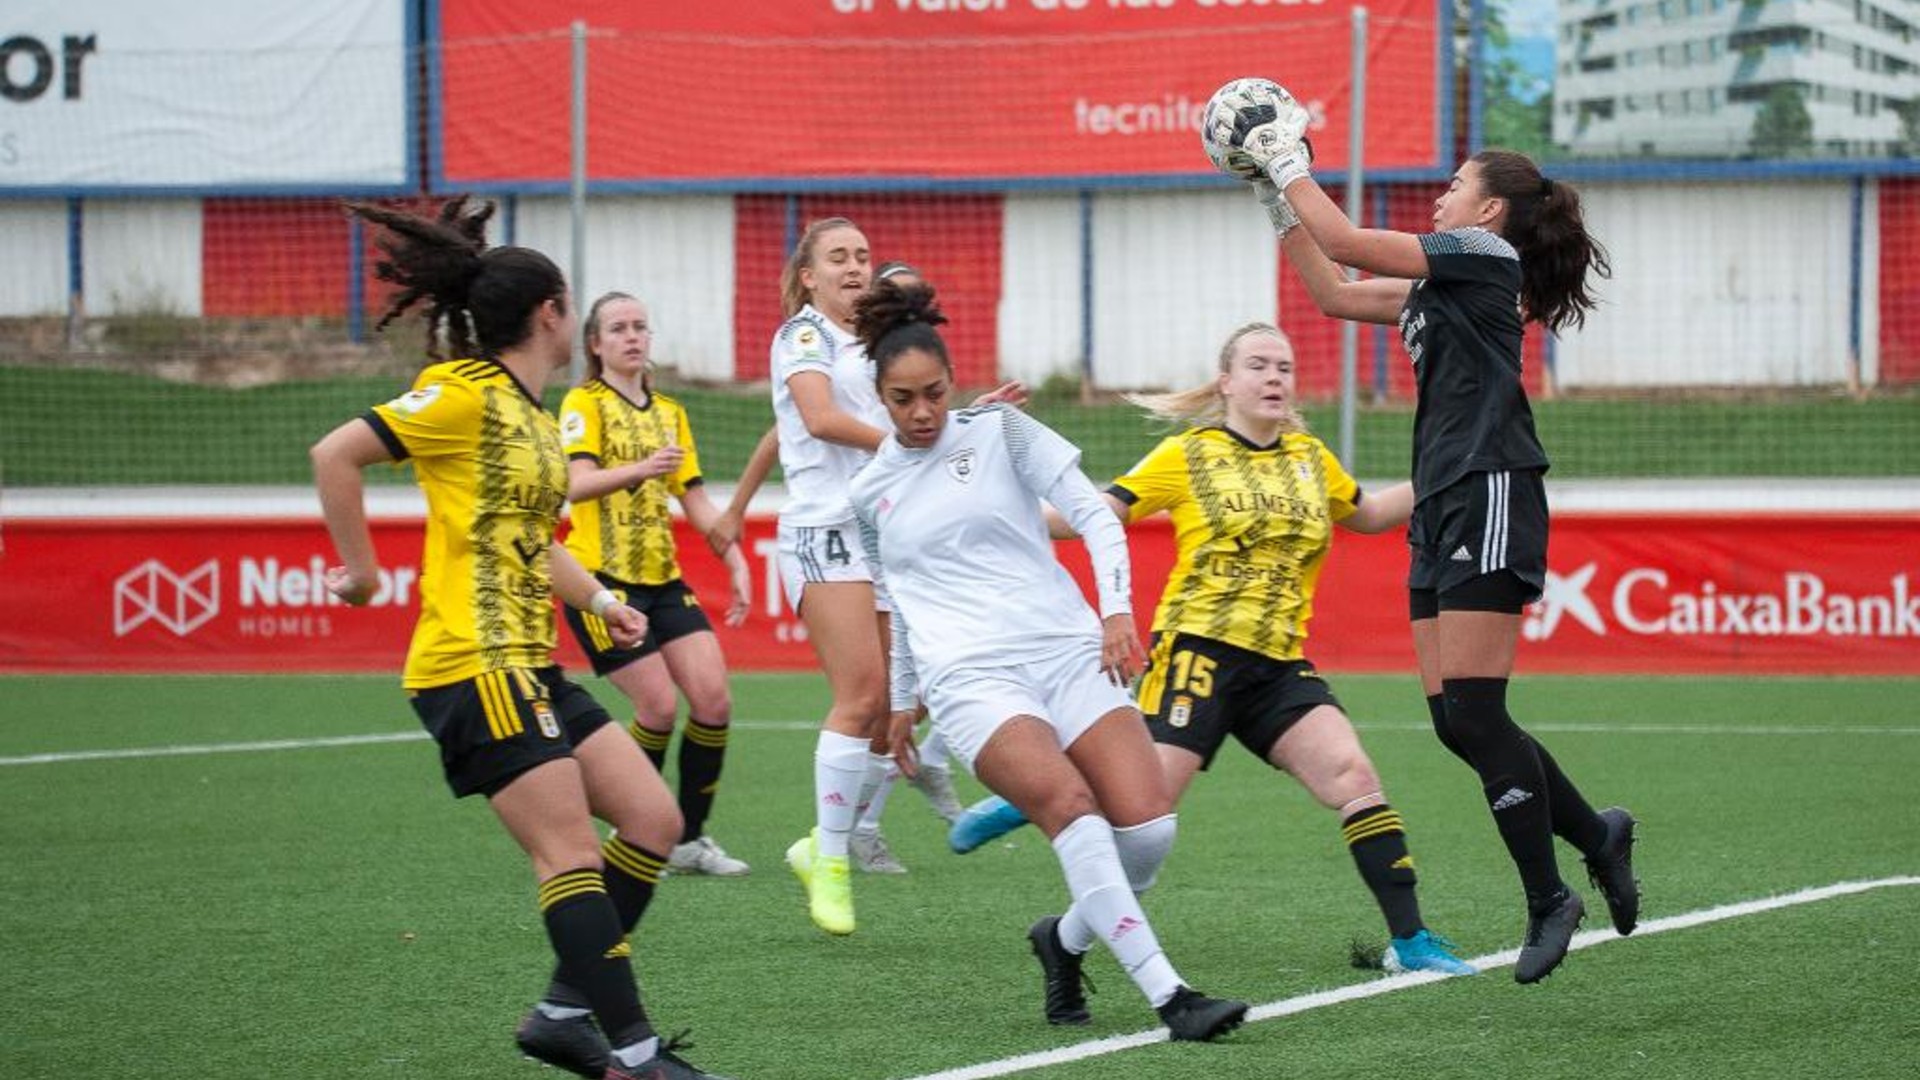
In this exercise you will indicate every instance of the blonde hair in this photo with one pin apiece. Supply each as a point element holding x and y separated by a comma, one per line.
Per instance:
<point>590,333</point>
<point>1203,405</point>
<point>793,294</point>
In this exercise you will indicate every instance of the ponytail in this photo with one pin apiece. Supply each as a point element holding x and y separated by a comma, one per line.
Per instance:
<point>480,301</point>
<point>1204,405</point>
<point>891,318</point>
<point>1545,225</point>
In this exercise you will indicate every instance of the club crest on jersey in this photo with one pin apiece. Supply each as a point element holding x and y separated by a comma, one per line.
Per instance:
<point>960,465</point>
<point>1181,713</point>
<point>549,725</point>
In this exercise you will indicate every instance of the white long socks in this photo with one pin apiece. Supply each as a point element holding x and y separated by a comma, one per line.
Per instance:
<point>881,773</point>
<point>839,771</point>
<point>1104,907</point>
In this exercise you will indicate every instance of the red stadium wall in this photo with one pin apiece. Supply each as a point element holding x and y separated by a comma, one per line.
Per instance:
<point>1758,595</point>
<point>273,258</point>
<point>953,239</point>
<point>1899,282</point>
<point>287,258</point>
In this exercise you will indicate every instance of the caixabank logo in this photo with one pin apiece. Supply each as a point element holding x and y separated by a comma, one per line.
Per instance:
<point>273,599</point>
<point>1647,601</point>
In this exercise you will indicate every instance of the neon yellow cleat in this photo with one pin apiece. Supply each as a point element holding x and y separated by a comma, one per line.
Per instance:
<point>800,859</point>
<point>830,894</point>
<point>828,881</point>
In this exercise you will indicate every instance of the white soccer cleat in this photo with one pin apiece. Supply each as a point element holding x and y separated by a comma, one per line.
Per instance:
<point>703,856</point>
<point>872,855</point>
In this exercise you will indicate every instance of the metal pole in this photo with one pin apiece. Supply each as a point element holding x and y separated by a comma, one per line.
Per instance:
<point>578,200</point>
<point>356,282</point>
<point>1356,182</point>
<point>1086,297</point>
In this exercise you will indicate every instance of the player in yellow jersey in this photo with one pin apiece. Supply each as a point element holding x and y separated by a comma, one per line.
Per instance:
<point>629,449</point>
<point>1254,499</point>
<point>480,672</point>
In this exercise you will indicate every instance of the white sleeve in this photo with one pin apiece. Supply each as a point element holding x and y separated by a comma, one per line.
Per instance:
<point>1039,454</point>
<point>1049,466</point>
<point>802,344</point>
<point>904,683</point>
<point>1106,539</point>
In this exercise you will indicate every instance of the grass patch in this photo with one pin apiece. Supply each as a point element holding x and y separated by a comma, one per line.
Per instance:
<point>332,910</point>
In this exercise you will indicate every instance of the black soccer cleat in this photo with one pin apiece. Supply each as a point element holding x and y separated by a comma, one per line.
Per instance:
<point>574,1044</point>
<point>1549,932</point>
<point>1611,871</point>
<point>663,1065</point>
<point>1066,1003</point>
<point>1191,1016</point>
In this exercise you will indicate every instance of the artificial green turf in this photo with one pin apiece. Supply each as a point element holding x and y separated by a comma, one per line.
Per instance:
<point>141,430</point>
<point>332,911</point>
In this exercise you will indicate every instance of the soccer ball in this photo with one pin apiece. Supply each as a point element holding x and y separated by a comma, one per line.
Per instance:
<point>1250,113</point>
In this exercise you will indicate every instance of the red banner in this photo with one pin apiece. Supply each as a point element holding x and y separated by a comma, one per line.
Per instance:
<point>1653,593</point>
<point>742,90</point>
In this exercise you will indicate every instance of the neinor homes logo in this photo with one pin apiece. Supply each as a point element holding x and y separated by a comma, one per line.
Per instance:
<point>183,602</point>
<point>151,592</point>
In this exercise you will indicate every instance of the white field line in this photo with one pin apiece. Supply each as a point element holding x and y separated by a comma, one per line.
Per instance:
<point>1391,983</point>
<point>1580,728</point>
<point>269,745</point>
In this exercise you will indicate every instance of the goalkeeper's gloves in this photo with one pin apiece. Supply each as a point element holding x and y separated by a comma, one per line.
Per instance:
<point>1295,163</point>
<point>1279,211</point>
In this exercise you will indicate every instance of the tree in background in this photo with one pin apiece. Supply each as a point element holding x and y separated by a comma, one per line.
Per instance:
<point>1909,113</point>
<point>1783,128</point>
<point>1517,106</point>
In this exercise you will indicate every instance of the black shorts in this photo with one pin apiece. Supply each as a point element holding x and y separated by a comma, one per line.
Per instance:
<point>493,727</point>
<point>1196,691</point>
<point>671,609</point>
<point>1490,526</point>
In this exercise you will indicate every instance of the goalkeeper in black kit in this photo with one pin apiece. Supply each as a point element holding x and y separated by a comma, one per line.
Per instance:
<point>1509,246</point>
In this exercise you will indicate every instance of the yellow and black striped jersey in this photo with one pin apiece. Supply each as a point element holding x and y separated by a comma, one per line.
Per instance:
<point>488,458</point>
<point>627,534</point>
<point>1251,526</point>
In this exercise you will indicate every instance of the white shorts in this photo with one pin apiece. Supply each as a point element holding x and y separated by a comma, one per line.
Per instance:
<point>1067,690</point>
<point>821,554</point>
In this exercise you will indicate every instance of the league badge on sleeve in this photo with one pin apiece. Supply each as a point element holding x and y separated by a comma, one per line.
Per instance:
<point>414,402</point>
<point>807,341</point>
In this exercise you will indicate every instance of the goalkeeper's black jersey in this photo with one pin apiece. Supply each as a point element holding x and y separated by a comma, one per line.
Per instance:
<point>1461,326</point>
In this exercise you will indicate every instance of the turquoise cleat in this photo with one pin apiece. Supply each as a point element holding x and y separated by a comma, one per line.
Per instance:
<point>1425,951</point>
<point>984,821</point>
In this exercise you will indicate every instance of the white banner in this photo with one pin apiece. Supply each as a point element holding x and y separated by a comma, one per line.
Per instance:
<point>211,96</point>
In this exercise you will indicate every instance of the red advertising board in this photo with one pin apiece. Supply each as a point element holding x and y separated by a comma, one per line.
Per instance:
<point>1648,593</point>
<point>744,90</point>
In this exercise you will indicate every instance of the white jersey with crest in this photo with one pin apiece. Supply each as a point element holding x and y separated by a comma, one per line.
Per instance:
<point>817,472</point>
<point>960,534</point>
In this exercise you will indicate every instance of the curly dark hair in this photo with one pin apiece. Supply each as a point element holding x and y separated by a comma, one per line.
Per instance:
<point>891,318</point>
<point>480,300</point>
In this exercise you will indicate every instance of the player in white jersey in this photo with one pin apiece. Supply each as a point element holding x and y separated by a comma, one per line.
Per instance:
<point>1025,682</point>
<point>934,780</point>
<point>827,418</point>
